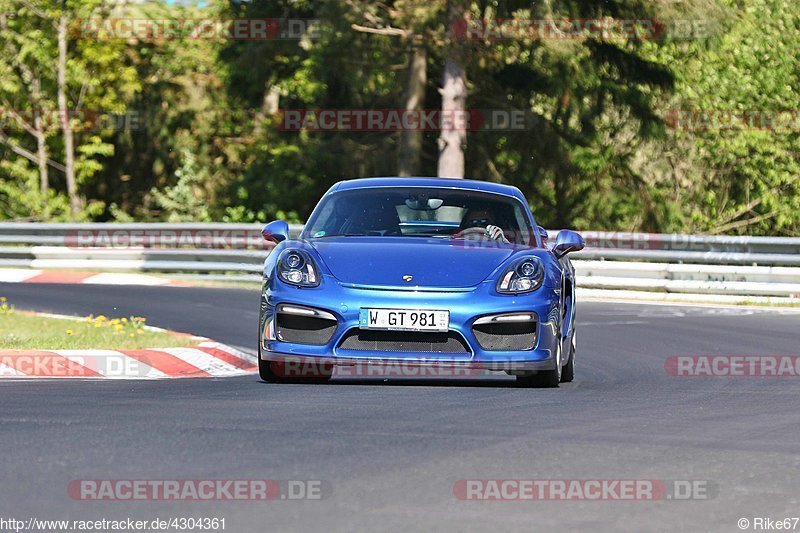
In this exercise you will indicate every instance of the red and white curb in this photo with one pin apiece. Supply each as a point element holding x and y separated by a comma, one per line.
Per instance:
<point>24,275</point>
<point>207,359</point>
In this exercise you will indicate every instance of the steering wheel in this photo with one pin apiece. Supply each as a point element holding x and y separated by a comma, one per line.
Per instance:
<point>469,232</point>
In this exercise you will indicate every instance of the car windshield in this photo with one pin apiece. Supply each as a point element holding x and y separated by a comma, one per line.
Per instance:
<point>419,212</point>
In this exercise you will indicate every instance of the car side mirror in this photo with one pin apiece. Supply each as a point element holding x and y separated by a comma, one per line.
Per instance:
<point>277,231</point>
<point>566,242</point>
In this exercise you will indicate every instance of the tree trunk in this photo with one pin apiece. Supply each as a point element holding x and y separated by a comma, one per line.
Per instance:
<point>63,112</point>
<point>453,138</point>
<point>410,149</point>
<point>41,152</point>
<point>37,129</point>
<point>270,105</point>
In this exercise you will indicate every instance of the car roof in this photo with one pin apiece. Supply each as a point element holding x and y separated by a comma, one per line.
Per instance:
<point>453,183</point>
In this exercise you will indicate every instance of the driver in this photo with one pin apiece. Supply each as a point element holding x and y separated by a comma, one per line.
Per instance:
<point>482,218</point>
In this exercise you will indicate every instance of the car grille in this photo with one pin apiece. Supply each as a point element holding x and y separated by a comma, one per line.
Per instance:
<point>404,341</point>
<point>509,336</point>
<point>303,329</point>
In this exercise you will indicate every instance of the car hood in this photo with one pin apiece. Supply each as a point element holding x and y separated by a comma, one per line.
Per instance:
<point>384,261</point>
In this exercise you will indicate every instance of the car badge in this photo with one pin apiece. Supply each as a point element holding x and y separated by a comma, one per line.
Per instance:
<point>408,278</point>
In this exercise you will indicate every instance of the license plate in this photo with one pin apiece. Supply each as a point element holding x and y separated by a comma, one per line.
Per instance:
<point>404,319</point>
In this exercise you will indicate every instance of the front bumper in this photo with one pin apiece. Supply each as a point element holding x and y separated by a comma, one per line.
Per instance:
<point>465,306</point>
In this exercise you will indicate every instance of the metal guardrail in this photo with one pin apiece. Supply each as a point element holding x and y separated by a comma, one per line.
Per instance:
<point>149,233</point>
<point>698,243</point>
<point>700,249</point>
<point>611,260</point>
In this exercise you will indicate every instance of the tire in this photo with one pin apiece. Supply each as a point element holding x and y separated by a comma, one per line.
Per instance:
<point>548,379</point>
<point>267,372</point>
<point>568,373</point>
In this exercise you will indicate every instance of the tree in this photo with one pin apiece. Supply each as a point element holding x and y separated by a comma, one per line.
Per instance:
<point>409,151</point>
<point>24,100</point>
<point>734,121</point>
<point>84,76</point>
<point>453,137</point>
<point>63,112</point>
<point>605,144</point>
<point>413,21</point>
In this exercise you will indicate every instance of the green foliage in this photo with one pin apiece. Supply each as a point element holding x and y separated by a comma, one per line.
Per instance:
<point>747,179</point>
<point>601,149</point>
<point>184,201</point>
<point>96,85</point>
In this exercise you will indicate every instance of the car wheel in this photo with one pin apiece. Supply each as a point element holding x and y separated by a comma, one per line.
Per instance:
<point>273,372</point>
<point>543,380</point>
<point>266,373</point>
<point>568,373</point>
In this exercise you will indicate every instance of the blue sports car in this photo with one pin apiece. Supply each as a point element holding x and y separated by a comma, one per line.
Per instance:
<point>419,271</point>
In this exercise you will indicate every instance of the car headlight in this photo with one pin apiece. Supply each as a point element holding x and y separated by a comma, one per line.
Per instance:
<point>296,267</point>
<point>524,275</point>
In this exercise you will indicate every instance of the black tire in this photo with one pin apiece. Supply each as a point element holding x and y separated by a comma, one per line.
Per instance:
<point>547,379</point>
<point>268,374</point>
<point>568,373</point>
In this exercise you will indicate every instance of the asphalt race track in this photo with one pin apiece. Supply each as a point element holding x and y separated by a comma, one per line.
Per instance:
<point>390,452</point>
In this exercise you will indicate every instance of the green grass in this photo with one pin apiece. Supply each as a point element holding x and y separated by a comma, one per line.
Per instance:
<point>769,304</point>
<point>25,331</point>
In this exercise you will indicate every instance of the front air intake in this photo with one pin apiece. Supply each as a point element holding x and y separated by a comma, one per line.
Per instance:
<point>404,341</point>
<point>499,336</point>
<point>313,329</point>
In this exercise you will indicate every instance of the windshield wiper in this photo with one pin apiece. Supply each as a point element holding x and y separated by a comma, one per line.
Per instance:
<point>329,235</point>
